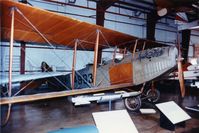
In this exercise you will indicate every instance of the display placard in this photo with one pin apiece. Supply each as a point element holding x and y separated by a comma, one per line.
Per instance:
<point>173,112</point>
<point>117,121</point>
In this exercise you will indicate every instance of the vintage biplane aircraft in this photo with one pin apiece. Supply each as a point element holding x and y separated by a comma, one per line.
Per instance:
<point>145,60</point>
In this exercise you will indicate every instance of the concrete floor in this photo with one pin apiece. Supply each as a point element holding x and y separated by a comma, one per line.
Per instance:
<point>48,115</point>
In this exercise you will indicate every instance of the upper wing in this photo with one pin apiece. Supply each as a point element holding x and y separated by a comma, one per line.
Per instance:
<point>58,29</point>
<point>28,77</point>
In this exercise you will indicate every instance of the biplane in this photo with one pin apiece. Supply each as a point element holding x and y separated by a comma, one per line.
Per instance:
<point>143,61</point>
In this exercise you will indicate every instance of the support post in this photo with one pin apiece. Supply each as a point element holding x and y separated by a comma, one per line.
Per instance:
<point>100,16</point>
<point>95,59</point>
<point>22,62</point>
<point>22,58</point>
<point>152,19</point>
<point>185,44</point>
<point>101,8</point>
<point>99,56</point>
<point>74,64</point>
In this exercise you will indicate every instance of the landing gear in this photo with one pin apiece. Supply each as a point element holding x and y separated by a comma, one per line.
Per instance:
<point>153,95</point>
<point>132,103</point>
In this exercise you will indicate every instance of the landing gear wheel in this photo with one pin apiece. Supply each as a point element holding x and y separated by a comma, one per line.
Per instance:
<point>153,95</point>
<point>132,103</point>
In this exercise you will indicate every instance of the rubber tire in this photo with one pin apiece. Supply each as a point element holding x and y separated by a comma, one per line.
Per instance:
<point>132,100</point>
<point>155,95</point>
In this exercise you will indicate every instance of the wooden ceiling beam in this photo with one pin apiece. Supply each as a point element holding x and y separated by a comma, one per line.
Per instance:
<point>105,4</point>
<point>185,44</point>
<point>152,19</point>
<point>101,8</point>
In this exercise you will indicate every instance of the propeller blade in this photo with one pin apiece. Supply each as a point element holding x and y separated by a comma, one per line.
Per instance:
<point>181,78</point>
<point>180,70</point>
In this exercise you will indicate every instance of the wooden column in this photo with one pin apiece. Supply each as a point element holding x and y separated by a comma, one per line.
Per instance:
<point>11,53</point>
<point>100,13</point>
<point>99,56</point>
<point>22,58</point>
<point>73,65</point>
<point>100,16</point>
<point>185,44</point>
<point>95,59</point>
<point>101,7</point>
<point>152,19</point>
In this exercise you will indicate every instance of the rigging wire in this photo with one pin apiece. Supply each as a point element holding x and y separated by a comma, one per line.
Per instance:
<point>54,50</point>
<point>99,69</point>
<point>47,72</point>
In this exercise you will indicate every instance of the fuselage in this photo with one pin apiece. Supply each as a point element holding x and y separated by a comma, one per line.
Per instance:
<point>139,68</point>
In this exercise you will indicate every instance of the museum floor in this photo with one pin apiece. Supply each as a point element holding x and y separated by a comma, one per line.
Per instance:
<point>48,115</point>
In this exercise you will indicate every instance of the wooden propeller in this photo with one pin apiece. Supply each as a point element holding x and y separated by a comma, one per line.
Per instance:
<point>180,70</point>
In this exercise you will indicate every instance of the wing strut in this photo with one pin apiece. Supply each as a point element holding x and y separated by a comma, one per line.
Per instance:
<point>135,46</point>
<point>95,59</point>
<point>144,46</point>
<point>74,64</point>
<point>10,65</point>
<point>47,42</point>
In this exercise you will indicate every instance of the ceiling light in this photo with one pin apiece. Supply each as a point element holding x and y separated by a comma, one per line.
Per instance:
<point>162,12</point>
